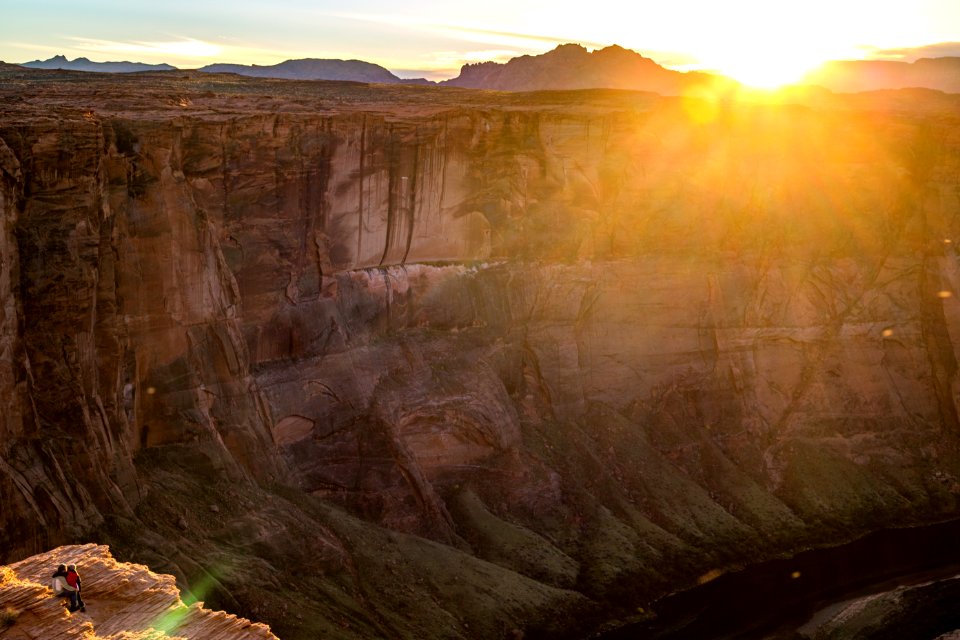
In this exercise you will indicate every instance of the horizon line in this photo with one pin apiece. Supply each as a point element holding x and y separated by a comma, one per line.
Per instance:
<point>898,55</point>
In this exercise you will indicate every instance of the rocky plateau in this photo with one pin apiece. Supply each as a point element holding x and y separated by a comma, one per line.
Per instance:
<point>425,362</point>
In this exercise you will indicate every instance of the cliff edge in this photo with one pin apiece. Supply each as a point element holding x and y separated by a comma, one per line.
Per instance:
<point>123,600</point>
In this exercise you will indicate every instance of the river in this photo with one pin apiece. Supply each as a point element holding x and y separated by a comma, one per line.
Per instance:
<point>775,599</point>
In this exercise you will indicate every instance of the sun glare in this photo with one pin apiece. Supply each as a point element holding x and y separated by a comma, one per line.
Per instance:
<point>768,72</point>
<point>768,62</point>
<point>775,56</point>
<point>759,43</point>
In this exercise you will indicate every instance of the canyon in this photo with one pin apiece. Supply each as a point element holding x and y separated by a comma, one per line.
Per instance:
<point>425,362</point>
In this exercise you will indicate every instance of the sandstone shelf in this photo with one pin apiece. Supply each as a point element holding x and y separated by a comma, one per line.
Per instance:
<point>123,602</point>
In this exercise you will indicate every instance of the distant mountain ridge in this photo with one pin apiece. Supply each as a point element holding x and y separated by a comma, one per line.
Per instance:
<point>568,67</point>
<point>853,76</point>
<point>311,69</point>
<point>84,64</point>
<point>571,66</point>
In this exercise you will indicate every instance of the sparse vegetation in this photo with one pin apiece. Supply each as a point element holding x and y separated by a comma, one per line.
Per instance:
<point>8,616</point>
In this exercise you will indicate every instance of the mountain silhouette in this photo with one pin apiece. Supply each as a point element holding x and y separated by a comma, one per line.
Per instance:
<point>312,69</point>
<point>571,66</point>
<point>85,64</point>
<point>852,76</point>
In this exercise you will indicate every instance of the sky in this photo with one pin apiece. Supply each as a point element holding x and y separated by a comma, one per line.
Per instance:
<point>752,40</point>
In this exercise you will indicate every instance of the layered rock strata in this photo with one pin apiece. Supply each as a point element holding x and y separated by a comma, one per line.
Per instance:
<point>123,601</point>
<point>465,363</point>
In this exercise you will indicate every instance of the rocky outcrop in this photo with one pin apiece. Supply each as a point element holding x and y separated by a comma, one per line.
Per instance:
<point>122,600</point>
<point>467,363</point>
<point>571,66</point>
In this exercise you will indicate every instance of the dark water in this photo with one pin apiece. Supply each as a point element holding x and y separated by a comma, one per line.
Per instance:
<point>773,599</point>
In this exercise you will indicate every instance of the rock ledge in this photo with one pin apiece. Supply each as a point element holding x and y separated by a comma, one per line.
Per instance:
<point>124,602</point>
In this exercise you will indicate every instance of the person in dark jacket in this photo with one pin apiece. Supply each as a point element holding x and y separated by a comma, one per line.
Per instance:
<point>73,580</point>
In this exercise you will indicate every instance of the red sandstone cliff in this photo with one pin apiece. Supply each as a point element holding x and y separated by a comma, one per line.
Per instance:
<point>423,362</point>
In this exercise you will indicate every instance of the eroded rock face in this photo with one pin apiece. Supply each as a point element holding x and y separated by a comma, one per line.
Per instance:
<point>594,349</point>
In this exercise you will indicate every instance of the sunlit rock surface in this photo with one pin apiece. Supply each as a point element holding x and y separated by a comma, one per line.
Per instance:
<point>423,362</point>
<point>123,602</point>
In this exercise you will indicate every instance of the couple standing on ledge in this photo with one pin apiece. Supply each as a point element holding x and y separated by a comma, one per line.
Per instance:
<point>66,584</point>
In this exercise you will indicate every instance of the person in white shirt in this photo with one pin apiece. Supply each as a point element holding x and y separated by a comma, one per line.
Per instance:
<point>61,588</point>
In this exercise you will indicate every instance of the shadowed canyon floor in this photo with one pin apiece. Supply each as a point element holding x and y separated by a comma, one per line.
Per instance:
<point>415,362</point>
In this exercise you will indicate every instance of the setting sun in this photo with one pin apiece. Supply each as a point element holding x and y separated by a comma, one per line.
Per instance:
<point>768,48</point>
<point>769,73</point>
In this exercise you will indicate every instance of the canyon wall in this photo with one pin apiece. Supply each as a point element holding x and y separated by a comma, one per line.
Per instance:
<point>475,364</point>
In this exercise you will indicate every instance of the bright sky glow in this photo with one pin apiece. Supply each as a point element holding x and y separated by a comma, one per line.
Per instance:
<point>760,42</point>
